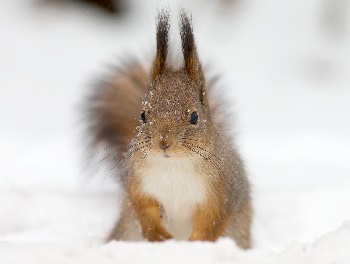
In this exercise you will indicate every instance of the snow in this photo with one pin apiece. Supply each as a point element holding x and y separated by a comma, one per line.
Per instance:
<point>285,73</point>
<point>323,250</point>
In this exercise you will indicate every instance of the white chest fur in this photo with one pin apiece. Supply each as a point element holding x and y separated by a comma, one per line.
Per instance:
<point>177,186</point>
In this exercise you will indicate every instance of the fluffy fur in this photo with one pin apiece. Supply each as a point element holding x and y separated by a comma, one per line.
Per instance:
<point>181,175</point>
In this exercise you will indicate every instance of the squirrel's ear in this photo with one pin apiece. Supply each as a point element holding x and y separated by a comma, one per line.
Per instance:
<point>192,65</point>
<point>163,26</point>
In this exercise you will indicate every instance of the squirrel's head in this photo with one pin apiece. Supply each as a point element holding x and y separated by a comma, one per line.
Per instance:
<point>176,107</point>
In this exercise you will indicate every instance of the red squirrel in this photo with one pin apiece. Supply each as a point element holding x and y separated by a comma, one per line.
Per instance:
<point>181,176</point>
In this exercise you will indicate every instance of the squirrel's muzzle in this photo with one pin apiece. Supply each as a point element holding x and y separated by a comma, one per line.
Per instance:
<point>164,144</point>
<point>165,141</point>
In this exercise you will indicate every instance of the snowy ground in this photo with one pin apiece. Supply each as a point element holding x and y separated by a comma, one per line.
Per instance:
<point>286,71</point>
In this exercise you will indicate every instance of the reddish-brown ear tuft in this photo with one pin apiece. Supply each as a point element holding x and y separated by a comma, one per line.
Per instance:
<point>163,27</point>
<point>192,65</point>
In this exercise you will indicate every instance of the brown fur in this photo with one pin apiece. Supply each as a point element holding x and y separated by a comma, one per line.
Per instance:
<point>148,213</point>
<point>162,44</point>
<point>221,192</point>
<point>111,6</point>
<point>114,107</point>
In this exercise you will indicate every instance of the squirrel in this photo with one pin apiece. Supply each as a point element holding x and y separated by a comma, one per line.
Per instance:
<point>181,176</point>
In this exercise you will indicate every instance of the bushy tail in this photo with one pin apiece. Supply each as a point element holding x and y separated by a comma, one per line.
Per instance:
<point>113,110</point>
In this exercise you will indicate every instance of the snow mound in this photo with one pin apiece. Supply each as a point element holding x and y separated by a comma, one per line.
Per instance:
<point>333,247</point>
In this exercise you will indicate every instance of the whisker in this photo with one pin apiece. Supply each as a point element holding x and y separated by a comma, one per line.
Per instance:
<point>100,151</point>
<point>189,157</point>
<point>220,147</point>
<point>140,162</point>
<point>135,150</point>
<point>212,162</point>
<point>104,158</point>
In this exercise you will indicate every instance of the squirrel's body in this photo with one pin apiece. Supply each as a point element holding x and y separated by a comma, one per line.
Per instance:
<point>181,176</point>
<point>178,177</point>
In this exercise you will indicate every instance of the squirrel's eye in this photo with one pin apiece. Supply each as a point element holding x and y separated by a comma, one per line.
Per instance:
<point>143,117</point>
<point>194,118</point>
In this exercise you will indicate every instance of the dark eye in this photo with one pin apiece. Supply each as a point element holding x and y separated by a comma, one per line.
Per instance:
<point>143,117</point>
<point>194,118</point>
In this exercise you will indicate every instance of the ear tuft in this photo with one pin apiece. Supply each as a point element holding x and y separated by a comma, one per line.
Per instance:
<point>163,27</point>
<point>192,64</point>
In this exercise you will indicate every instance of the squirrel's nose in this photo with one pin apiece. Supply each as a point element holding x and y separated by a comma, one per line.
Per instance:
<point>164,144</point>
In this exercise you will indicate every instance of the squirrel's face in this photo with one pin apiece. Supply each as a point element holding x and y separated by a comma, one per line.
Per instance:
<point>175,117</point>
<point>173,113</point>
